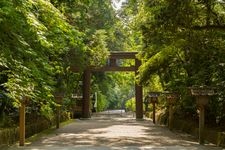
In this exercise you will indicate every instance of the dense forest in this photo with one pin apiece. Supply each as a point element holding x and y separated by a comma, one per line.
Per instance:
<point>183,47</point>
<point>180,43</point>
<point>42,40</point>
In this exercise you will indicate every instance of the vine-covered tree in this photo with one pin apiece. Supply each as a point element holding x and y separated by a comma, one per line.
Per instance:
<point>182,45</point>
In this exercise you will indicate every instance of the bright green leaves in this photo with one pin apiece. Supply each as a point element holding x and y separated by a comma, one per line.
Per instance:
<point>34,36</point>
<point>41,39</point>
<point>94,19</point>
<point>102,102</point>
<point>19,84</point>
<point>97,51</point>
<point>152,65</point>
<point>183,45</point>
<point>171,37</point>
<point>117,88</point>
<point>130,105</point>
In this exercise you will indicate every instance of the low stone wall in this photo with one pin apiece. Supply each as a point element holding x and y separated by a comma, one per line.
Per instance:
<point>9,136</point>
<point>212,136</point>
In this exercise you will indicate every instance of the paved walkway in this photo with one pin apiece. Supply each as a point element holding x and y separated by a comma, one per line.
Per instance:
<point>114,133</point>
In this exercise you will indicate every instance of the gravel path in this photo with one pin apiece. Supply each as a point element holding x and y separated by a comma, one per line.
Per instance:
<point>115,133</point>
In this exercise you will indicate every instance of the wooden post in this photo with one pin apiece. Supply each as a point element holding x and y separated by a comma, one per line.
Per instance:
<point>153,99</point>
<point>139,102</point>
<point>202,102</point>
<point>153,117</point>
<point>86,93</point>
<point>58,98</point>
<point>170,116</point>
<point>202,94</point>
<point>58,117</point>
<point>171,97</point>
<point>201,124</point>
<point>138,94</point>
<point>112,62</point>
<point>22,123</point>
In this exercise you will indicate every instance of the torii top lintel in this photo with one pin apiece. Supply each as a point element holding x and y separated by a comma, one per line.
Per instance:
<point>123,55</point>
<point>112,66</point>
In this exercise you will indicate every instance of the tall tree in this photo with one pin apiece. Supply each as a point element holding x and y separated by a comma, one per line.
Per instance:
<point>182,43</point>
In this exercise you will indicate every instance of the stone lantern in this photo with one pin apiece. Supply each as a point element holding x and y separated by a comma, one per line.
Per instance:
<point>171,97</point>
<point>202,94</point>
<point>153,99</point>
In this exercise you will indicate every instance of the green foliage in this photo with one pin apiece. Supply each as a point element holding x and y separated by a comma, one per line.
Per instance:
<point>102,102</point>
<point>42,40</point>
<point>95,20</point>
<point>117,87</point>
<point>154,84</point>
<point>102,32</point>
<point>31,46</point>
<point>38,43</point>
<point>183,44</point>
<point>131,105</point>
<point>97,52</point>
<point>47,112</point>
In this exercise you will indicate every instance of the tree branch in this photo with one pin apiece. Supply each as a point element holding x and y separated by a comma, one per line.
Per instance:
<point>207,27</point>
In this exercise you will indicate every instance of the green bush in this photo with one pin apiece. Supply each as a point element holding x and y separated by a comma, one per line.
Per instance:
<point>130,104</point>
<point>102,103</point>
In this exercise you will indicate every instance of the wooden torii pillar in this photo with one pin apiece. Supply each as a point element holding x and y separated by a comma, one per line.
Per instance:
<point>138,94</point>
<point>86,93</point>
<point>112,66</point>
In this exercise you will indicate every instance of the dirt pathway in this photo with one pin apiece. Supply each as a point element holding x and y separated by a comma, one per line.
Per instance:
<point>115,133</point>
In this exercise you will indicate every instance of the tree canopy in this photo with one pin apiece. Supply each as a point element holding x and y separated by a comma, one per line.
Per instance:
<point>182,44</point>
<point>41,40</point>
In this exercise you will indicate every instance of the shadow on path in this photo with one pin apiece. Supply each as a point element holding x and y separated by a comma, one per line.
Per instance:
<point>115,133</point>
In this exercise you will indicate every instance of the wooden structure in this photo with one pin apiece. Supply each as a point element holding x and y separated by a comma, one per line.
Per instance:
<point>22,111</point>
<point>171,97</point>
<point>202,95</point>
<point>112,65</point>
<point>22,120</point>
<point>58,98</point>
<point>153,99</point>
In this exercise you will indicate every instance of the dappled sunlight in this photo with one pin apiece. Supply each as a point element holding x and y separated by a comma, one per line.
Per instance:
<point>120,131</point>
<point>116,134</point>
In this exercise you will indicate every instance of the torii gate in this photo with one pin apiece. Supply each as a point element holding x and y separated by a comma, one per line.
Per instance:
<point>112,66</point>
